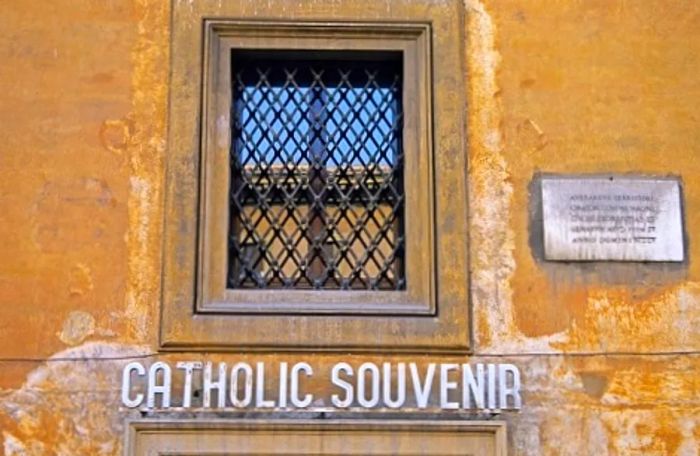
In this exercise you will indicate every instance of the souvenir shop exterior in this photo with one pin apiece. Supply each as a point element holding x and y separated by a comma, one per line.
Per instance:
<point>349,227</point>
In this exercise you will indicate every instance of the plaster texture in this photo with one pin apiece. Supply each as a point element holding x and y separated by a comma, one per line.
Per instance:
<point>609,353</point>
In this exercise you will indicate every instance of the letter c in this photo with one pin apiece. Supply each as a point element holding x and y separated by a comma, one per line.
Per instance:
<point>126,384</point>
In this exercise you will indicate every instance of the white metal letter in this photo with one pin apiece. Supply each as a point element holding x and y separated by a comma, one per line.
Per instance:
<point>282,399</point>
<point>336,380</point>
<point>361,389</point>
<point>153,388</point>
<point>126,384</point>
<point>473,386</point>
<point>400,385</point>
<point>189,368</point>
<point>422,392</point>
<point>491,390</point>
<point>446,386</point>
<point>294,389</point>
<point>219,385</point>
<point>247,385</point>
<point>505,390</point>
<point>260,387</point>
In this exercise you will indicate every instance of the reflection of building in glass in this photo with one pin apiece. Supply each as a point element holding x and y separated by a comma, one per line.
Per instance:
<point>316,170</point>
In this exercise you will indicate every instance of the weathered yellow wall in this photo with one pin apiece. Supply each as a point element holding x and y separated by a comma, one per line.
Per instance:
<point>609,354</point>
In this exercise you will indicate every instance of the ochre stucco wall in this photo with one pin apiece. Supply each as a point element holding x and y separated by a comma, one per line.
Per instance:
<point>608,353</point>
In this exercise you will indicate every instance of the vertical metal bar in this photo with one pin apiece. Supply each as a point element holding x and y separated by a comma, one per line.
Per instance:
<point>317,182</point>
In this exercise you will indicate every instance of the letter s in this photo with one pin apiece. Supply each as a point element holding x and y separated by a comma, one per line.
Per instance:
<point>336,380</point>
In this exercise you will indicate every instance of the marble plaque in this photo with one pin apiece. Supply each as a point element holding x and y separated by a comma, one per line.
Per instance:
<point>614,219</point>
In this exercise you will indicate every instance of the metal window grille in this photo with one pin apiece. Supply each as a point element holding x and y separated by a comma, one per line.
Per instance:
<point>316,197</point>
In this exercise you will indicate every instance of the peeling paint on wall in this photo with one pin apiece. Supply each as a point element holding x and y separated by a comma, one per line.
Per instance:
<point>69,404</point>
<point>491,187</point>
<point>145,150</point>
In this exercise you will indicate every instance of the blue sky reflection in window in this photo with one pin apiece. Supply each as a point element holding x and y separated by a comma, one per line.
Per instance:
<point>316,170</point>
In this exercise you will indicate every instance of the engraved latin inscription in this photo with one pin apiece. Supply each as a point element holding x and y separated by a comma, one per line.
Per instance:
<point>617,218</point>
<point>621,219</point>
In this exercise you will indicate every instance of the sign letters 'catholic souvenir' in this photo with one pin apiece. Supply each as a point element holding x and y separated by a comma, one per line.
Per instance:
<point>193,384</point>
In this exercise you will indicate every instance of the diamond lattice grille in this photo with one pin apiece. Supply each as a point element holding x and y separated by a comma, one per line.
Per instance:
<point>317,197</point>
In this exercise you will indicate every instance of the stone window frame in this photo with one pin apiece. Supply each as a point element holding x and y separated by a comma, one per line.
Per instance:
<point>284,436</point>
<point>317,193</point>
<point>197,311</point>
<point>412,40</point>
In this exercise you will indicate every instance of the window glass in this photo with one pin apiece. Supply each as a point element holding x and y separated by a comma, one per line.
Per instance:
<point>316,197</point>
